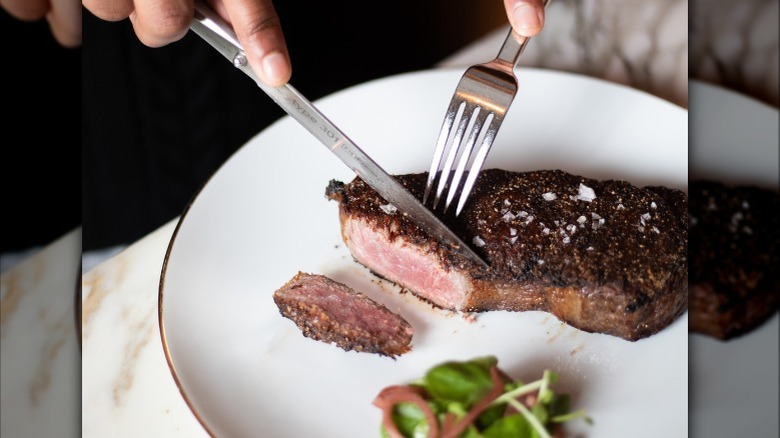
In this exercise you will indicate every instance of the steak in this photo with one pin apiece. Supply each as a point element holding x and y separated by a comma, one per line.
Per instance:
<point>602,256</point>
<point>328,311</point>
<point>734,243</point>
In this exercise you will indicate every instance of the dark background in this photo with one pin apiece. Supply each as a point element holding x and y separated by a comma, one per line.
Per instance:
<point>40,166</point>
<point>158,122</point>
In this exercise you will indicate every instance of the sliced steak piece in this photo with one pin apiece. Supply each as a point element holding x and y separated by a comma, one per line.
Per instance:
<point>734,243</point>
<point>602,256</point>
<point>332,312</point>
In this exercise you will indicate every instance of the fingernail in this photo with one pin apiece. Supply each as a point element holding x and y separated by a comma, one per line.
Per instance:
<point>526,17</point>
<point>275,68</point>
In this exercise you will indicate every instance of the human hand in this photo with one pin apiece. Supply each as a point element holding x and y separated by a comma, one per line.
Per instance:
<point>160,22</point>
<point>526,16</point>
<point>63,16</point>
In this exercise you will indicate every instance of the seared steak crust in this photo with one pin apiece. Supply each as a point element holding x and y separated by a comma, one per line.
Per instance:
<point>332,312</point>
<point>734,243</point>
<point>602,256</point>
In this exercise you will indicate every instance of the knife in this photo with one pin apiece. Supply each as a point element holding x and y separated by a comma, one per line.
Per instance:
<point>214,30</point>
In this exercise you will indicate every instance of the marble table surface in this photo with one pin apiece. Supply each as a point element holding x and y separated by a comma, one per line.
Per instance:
<point>126,388</point>
<point>39,353</point>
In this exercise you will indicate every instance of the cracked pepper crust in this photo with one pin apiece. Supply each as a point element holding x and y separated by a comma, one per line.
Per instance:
<point>332,312</point>
<point>603,256</point>
<point>734,247</point>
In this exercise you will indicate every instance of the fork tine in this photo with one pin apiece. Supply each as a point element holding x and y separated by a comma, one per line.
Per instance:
<point>448,180</point>
<point>452,151</point>
<point>490,135</point>
<point>454,112</point>
<point>479,121</point>
<point>452,118</point>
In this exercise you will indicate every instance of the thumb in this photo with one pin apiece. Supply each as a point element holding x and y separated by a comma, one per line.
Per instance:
<point>525,16</point>
<point>259,30</point>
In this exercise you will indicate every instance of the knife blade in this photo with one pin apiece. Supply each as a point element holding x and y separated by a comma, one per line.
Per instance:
<point>209,25</point>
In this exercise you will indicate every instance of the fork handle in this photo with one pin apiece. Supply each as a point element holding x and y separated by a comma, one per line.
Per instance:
<point>512,48</point>
<point>514,45</point>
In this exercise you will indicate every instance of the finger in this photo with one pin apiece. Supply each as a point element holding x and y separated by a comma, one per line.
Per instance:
<point>161,22</point>
<point>65,22</point>
<point>526,16</point>
<point>109,10</point>
<point>260,32</point>
<point>26,10</point>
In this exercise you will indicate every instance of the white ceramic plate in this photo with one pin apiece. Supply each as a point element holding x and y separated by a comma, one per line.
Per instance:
<point>734,384</point>
<point>247,371</point>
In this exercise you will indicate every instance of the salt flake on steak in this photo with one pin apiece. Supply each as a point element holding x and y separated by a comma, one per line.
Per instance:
<point>389,208</point>
<point>585,193</point>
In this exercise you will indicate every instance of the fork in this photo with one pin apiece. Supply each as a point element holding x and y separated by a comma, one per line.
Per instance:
<point>477,108</point>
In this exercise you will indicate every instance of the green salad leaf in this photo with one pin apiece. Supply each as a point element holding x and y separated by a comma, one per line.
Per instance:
<point>509,426</point>
<point>460,382</point>
<point>474,399</point>
<point>410,420</point>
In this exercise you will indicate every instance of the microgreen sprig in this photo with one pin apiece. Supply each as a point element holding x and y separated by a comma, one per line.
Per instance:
<point>474,399</point>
